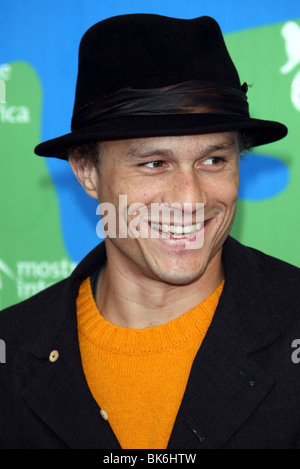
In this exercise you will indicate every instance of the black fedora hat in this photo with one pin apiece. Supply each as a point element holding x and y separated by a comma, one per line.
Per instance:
<point>146,75</point>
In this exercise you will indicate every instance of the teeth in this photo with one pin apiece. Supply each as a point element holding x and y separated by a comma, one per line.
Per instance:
<point>188,229</point>
<point>178,231</point>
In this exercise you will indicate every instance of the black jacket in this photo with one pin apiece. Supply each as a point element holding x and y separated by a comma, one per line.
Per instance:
<point>244,386</point>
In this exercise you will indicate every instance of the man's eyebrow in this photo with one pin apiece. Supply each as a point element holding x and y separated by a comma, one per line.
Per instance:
<point>142,152</point>
<point>217,147</point>
<point>228,143</point>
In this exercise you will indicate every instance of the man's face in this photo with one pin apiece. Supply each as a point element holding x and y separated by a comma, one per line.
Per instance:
<point>171,170</point>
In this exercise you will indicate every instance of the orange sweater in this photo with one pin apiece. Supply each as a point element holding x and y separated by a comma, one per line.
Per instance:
<point>138,376</point>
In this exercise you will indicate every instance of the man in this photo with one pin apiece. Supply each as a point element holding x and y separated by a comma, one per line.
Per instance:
<point>170,334</point>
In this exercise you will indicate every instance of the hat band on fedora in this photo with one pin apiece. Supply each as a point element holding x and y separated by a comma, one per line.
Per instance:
<point>185,98</point>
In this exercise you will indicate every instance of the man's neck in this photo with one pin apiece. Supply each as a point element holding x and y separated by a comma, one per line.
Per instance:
<point>134,300</point>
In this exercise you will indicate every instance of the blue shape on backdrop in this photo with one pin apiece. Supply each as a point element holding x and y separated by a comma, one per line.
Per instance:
<point>262,177</point>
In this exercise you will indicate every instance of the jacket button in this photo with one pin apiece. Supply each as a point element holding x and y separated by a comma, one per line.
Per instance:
<point>104,414</point>
<point>53,356</point>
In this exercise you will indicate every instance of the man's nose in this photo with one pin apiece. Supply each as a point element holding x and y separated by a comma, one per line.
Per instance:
<point>185,187</point>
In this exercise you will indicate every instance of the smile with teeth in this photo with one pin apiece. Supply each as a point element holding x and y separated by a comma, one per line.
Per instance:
<point>177,231</point>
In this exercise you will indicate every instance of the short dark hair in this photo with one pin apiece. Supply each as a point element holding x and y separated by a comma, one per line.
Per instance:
<point>245,142</point>
<point>89,151</point>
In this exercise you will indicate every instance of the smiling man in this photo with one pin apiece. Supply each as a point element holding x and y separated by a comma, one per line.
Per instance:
<point>169,334</point>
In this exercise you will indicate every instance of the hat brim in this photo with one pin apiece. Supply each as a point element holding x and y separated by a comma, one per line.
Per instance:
<point>259,131</point>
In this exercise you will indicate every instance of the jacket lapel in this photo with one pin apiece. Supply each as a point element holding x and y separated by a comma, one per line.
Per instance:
<point>57,390</point>
<point>59,395</point>
<point>224,388</point>
<point>226,385</point>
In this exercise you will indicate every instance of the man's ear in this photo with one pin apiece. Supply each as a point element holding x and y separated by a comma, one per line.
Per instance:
<point>86,173</point>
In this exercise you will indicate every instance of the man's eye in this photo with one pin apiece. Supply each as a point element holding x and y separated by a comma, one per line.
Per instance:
<point>154,164</point>
<point>213,160</point>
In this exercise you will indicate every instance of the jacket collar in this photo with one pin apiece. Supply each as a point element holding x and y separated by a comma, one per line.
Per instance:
<point>225,385</point>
